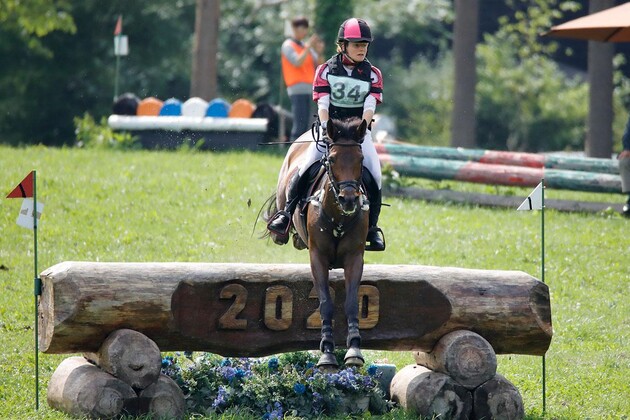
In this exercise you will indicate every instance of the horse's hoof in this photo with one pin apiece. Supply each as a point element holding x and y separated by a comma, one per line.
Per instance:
<point>298,243</point>
<point>354,357</point>
<point>279,239</point>
<point>327,362</point>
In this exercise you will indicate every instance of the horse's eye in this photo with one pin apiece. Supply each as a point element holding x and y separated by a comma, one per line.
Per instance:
<point>331,160</point>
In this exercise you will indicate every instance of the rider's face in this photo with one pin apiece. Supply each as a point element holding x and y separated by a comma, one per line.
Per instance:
<point>357,50</point>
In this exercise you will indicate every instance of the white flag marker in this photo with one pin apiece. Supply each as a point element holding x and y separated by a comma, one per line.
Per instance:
<point>25,218</point>
<point>533,200</point>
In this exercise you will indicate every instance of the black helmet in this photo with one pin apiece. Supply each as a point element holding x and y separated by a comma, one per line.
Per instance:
<point>354,30</point>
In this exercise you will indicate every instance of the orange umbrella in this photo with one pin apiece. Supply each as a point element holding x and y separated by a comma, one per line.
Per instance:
<point>610,25</point>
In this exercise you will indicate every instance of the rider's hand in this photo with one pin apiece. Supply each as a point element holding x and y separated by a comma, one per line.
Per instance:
<point>624,154</point>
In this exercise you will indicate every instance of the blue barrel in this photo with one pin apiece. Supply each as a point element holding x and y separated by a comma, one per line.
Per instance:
<point>171,107</point>
<point>218,108</point>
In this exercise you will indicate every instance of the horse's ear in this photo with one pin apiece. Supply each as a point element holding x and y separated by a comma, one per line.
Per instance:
<point>331,130</point>
<point>359,135</point>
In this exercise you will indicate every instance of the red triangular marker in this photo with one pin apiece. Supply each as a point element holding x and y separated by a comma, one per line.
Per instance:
<point>118,29</point>
<point>24,189</point>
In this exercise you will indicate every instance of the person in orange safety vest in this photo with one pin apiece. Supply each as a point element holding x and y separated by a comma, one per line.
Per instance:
<point>299,59</point>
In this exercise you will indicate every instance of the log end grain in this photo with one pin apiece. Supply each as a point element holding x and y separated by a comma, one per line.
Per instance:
<point>81,389</point>
<point>498,399</point>
<point>430,393</point>
<point>163,399</point>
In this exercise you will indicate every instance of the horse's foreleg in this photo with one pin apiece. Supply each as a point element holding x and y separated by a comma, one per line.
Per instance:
<point>319,269</point>
<point>353,273</point>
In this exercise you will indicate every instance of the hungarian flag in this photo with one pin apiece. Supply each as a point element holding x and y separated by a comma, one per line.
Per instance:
<point>118,29</point>
<point>24,189</point>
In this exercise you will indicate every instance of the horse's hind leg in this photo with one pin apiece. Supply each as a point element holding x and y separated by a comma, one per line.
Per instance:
<point>353,276</point>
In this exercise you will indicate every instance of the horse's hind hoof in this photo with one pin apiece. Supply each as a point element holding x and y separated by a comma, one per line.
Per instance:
<point>298,243</point>
<point>327,362</point>
<point>354,357</point>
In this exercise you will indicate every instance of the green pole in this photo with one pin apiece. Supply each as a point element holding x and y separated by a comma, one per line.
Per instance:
<point>37,289</point>
<point>117,71</point>
<point>542,276</point>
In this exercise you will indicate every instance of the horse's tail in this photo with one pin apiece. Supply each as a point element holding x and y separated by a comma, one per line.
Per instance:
<point>267,210</point>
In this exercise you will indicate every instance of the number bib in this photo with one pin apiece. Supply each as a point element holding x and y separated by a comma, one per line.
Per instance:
<point>347,92</point>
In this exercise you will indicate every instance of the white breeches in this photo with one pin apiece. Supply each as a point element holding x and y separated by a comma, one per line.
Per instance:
<point>370,158</point>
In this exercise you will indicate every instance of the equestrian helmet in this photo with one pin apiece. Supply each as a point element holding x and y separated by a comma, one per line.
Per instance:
<point>354,30</point>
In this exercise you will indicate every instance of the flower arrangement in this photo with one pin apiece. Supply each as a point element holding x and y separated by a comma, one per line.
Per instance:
<point>287,386</point>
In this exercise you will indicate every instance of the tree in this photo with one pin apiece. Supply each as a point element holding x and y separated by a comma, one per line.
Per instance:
<point>329,14</point>
<point>205,48</point>
<point>466,28</point>
<point>600,77</point>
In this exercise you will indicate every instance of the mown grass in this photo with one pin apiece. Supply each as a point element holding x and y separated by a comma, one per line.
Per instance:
<point>184,206</point>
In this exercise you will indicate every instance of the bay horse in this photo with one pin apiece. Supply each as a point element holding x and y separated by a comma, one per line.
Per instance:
<point>333,225</point>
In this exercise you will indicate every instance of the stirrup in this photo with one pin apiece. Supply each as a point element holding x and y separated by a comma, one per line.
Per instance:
<point>283,235</point>
<point>371,246</point>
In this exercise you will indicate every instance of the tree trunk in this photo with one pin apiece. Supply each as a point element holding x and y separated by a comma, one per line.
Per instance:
<point>497,399</point>
<point>203,80</point>
<point>465,30</point>
<point>81,389</point>
<point>131,357</point>
<point>430,394</point>
<point>464,356</point>
<point>243,309</point>
<point>163,399</point>
<point>600,78</point>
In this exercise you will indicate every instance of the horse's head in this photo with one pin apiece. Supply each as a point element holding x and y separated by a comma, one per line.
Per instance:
<point>344,161</point>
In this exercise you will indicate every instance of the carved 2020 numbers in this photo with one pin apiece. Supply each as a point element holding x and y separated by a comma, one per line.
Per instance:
<point>278,307</point>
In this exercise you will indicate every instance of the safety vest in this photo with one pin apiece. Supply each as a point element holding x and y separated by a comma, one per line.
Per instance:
<point>347,92</point>
<point>305,73</point>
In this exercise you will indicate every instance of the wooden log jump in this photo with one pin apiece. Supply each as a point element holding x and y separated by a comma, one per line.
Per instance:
<point>261,309</point>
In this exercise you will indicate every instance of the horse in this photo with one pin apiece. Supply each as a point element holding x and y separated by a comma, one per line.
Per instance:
<point>333,225</point>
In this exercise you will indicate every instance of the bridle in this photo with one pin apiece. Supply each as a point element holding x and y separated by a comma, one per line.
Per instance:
<point>338,186</point>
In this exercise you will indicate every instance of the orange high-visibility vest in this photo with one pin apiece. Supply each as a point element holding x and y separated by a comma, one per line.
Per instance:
<point>305,73</point>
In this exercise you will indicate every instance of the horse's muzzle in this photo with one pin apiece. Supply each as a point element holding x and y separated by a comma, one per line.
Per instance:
<point>349,199</point>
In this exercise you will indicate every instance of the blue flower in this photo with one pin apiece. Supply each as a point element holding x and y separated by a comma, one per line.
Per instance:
<point>299,388</point>
<point>273,363</point>
<point>221,397</point>
<point>228,372</point>
<point>167,361</point>
<point>372,369</point>
<point>226,362</point>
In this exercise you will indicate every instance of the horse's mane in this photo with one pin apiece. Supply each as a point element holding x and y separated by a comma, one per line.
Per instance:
<point>346,128</point>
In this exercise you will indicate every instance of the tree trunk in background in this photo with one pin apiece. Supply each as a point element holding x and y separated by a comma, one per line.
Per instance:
<point>466,27</point>
<point>600,74</point>
<point>203,78</point>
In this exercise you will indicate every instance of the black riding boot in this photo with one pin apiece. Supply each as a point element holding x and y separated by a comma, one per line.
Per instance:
<point>375,240</point>
<point>279,223</point>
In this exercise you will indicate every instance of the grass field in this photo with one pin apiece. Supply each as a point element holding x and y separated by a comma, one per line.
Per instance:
<point>185,206</point>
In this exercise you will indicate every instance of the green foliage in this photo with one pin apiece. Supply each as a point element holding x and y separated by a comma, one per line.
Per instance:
<point>329,15</point>
<point>420,96</point>
<point>91,135</point>
<point>524,101</point>
<point>273,387</point>
<point>527,103</point>
<point>33,19</point>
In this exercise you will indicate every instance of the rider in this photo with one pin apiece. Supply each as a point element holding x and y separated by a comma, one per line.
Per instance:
<point>347,85</point>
